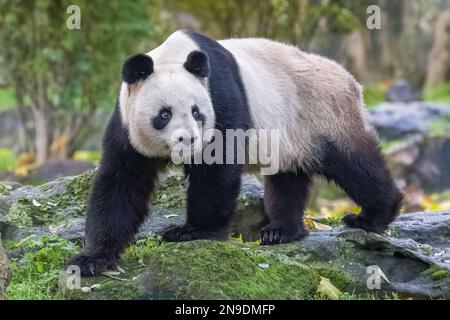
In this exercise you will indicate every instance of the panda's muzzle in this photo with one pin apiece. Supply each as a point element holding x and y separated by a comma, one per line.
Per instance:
<point>186,141</point>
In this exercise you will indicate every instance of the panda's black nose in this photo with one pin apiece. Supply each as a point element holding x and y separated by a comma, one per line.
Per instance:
<point>182,139</point>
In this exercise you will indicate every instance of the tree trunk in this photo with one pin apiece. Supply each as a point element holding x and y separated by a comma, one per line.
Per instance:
<point>439,60</point>
<point>41,113</point>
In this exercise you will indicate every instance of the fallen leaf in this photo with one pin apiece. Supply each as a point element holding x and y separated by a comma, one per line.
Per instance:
<point>328,290</point>
<point>254,243</point>
<point>238,239</point>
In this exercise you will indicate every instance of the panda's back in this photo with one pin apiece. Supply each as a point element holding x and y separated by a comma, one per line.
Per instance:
<point>305,96</point>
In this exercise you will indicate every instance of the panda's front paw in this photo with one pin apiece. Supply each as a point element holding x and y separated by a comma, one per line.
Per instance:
<point>360,221</point>
<point>189,232</point>
<point>91,265</point>
<point>275,233</point>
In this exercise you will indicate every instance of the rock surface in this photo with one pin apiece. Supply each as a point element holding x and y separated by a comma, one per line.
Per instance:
<point>414,255</point>
<point>395,120</point>
<point>402,91</point>
<point>422,162</point>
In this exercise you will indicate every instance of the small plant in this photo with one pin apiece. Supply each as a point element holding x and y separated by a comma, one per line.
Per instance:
<point>35,276</point>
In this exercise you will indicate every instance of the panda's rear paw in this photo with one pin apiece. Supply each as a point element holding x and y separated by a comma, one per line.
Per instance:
<point>91,265</point>
<point>360,221</point>
<point>276,234</point>
<point>189,232</point>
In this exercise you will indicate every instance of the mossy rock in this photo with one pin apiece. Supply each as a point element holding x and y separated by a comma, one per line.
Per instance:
<point>202,270</point>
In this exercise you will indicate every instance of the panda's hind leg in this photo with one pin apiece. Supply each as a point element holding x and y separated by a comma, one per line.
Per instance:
<point>363,175</point>
<point>284,202</point>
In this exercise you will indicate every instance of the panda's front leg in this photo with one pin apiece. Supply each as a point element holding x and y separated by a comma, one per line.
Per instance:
<point>212,195</point>
<point>118,201</point>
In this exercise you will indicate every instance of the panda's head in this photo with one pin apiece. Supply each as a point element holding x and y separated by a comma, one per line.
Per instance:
<point>166,105</point>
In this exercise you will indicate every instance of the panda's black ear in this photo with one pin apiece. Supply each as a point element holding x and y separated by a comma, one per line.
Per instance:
<point>136,68</point>
<point>197,63</point>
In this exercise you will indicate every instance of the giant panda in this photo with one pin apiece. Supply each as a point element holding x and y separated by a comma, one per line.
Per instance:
<point>190,82</point>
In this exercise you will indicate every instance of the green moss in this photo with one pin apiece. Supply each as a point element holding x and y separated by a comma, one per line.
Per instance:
<point>437,273</point>
<point>54,209</point>
<point>171,193</point>
<point>5,188</point>
<point>339,278</point>
<point>80,186</point>
<point>222,270</point>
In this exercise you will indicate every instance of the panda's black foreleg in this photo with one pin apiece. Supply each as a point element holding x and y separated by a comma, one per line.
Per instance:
<point>363,175</point>
<point>118,201</point>
<point>285,196</point>
<point>212,194</point>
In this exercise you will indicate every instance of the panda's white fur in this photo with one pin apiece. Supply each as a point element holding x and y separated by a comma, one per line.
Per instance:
<point>303,95</point>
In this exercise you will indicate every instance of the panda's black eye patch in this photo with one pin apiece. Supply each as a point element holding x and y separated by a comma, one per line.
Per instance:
<point>198,116</point>
<point>162,119</point>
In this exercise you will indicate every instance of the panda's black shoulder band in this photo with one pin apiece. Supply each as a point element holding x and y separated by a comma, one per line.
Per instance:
<point>137,67</point>
<point>197,63</point>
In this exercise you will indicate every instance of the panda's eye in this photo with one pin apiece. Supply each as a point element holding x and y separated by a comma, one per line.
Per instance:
<point>165,114</point>
<point>195,112</point>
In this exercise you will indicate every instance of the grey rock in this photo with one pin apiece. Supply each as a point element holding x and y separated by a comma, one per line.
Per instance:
<point>396,120</point>
<point>57,169</point>
<point>402,91</point>
<point>422,162</point>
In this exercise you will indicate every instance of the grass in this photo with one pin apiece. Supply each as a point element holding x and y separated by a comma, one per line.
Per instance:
<point>7,99</point>
<point>35,276</point>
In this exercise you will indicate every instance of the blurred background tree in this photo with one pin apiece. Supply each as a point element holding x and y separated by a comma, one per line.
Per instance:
<point>60,76</point>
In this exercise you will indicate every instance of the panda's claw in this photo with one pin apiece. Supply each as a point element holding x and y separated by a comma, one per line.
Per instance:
<point>91,265</point>
<point>273,234</point>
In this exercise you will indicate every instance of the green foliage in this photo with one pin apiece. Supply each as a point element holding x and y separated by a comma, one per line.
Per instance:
<point>35,276</point>
<point>77,65</point>
<point>7,159</point>
<point>439,93</point>
<point>64,74</point>
<point>373,95</point>
<point>7,100</point>
<point>296,21</point>
<point>437,273</point>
